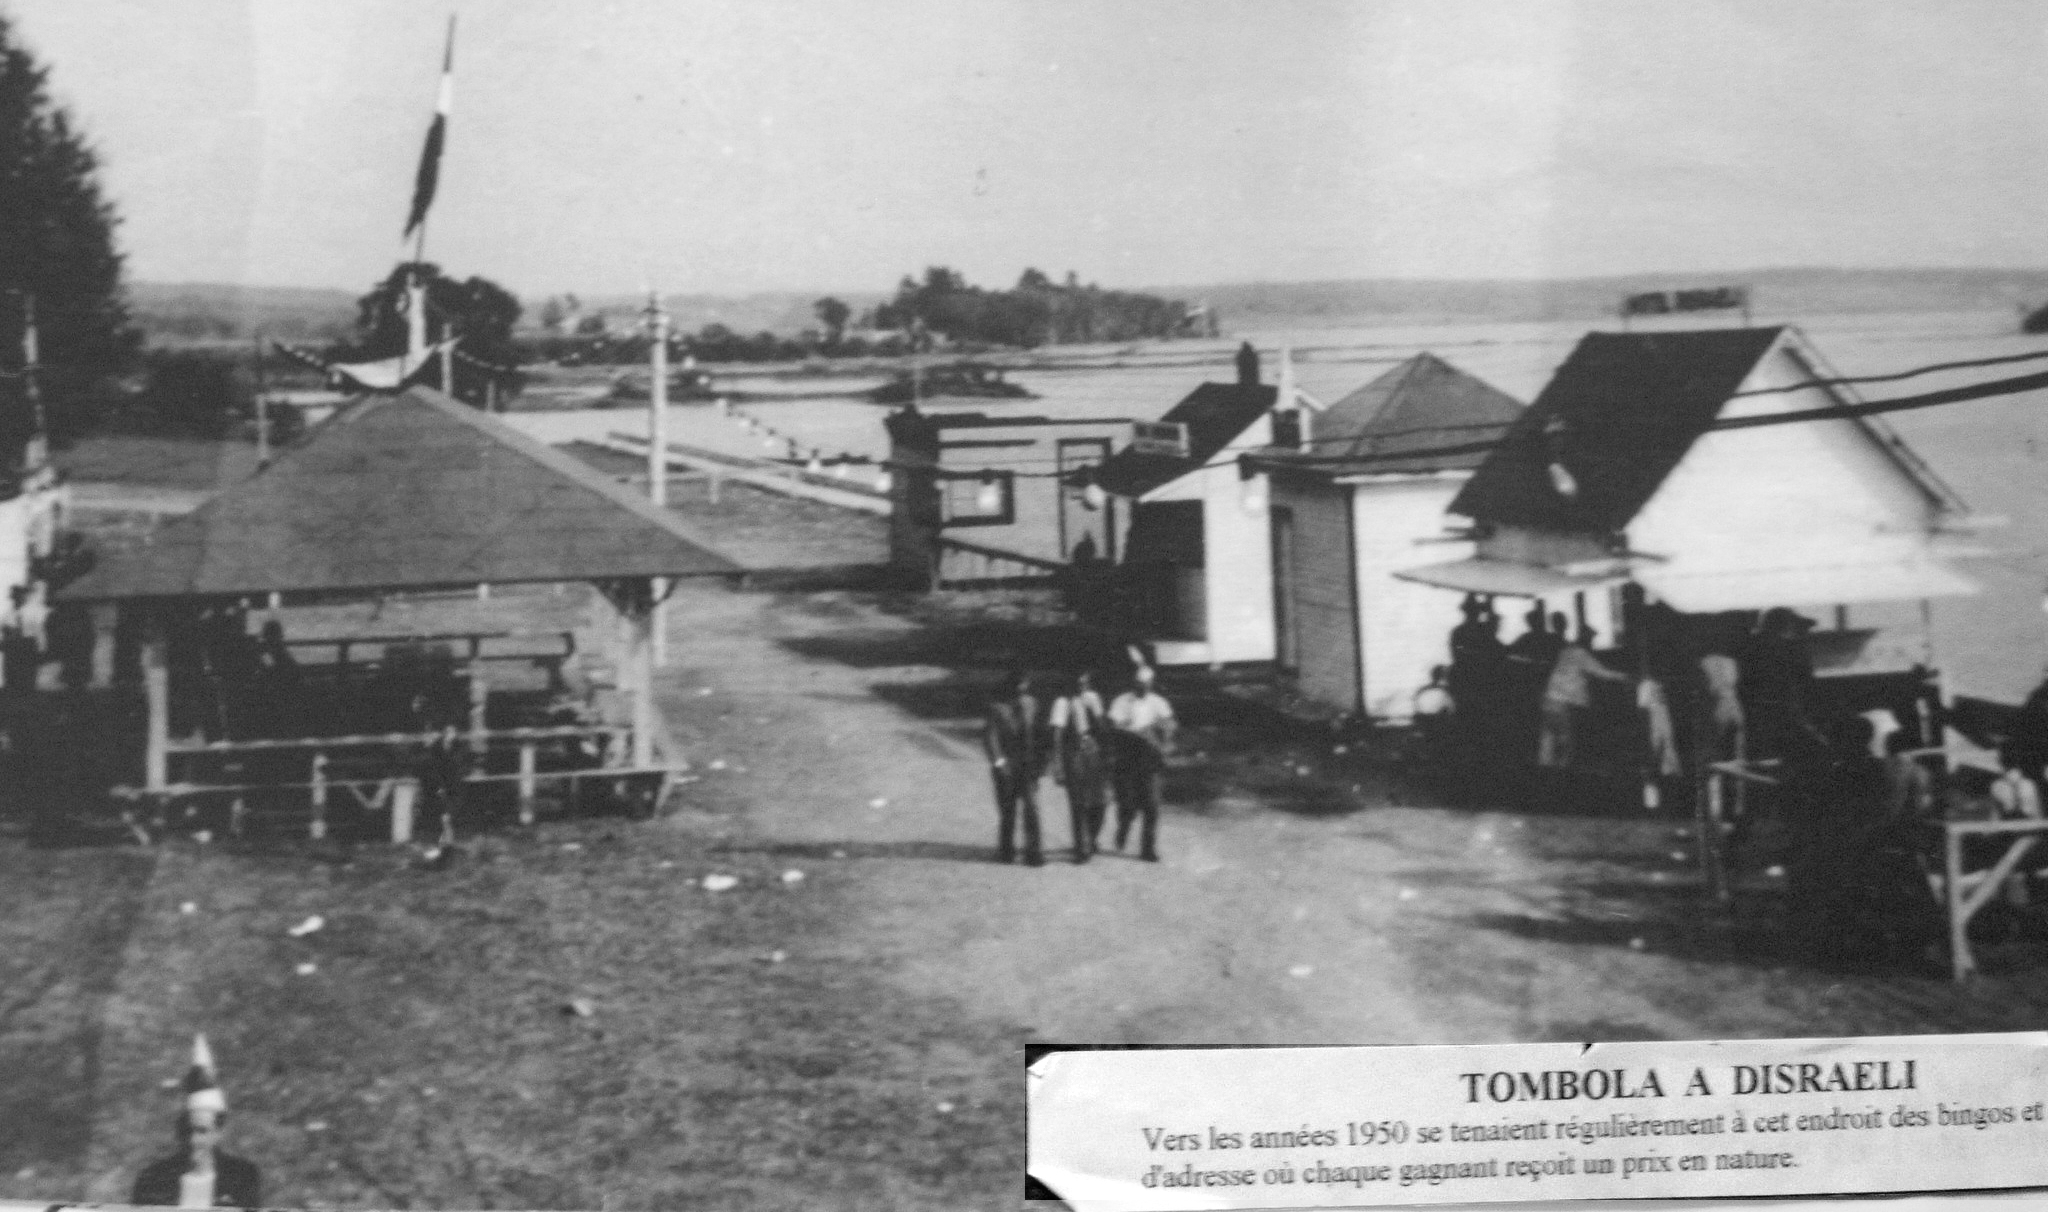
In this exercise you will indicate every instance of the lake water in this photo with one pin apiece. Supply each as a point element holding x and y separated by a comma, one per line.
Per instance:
<point>1990,451</point>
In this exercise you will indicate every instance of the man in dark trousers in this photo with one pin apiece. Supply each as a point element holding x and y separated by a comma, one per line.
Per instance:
<point>1015,739</point>
<point>1077,723</point>
<point>1142,724</point>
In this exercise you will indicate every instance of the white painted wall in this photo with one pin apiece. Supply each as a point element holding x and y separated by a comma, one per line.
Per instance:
<point>1784,497</point>
<point>17,524</point>
<point>1403,628</point>
<point>1237,549</point>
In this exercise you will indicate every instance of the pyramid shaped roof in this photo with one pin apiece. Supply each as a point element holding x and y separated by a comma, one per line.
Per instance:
<point>407,491</point>
<point>1420,404</point>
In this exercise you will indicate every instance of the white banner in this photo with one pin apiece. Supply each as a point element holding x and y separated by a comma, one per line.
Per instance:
<point>1344,1127</point>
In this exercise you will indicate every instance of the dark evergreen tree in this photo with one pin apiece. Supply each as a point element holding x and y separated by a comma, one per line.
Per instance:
<point>57,248</point>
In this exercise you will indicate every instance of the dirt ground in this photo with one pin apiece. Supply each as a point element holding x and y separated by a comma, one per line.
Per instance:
<point>851,1035</point>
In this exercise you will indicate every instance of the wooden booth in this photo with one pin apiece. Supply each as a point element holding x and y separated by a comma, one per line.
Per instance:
<point>395,498</point>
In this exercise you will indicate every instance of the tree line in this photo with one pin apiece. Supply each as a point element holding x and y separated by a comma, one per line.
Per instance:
<point>1037,311</point>
<point>59,264</point>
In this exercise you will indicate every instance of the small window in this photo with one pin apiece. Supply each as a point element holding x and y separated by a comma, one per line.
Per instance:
<point>978,500</point>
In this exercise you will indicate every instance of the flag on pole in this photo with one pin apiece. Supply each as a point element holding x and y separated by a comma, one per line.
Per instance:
<point>437,136</point>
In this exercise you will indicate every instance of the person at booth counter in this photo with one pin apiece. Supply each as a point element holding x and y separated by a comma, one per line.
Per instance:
<point>1777,675</point>
<point>1566,698</point>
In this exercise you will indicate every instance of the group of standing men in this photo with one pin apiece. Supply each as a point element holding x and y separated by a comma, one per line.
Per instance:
<point>1091,750</point>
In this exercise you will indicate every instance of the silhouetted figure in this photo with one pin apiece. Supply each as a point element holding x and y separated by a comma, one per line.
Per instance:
<point>1478,671</point>
<point>1857,894</point>
<point>281,688</point>
<point>2026,749</point>
<point>199,1174</point>
<point>1539,644</point>
<point>1777,676</point>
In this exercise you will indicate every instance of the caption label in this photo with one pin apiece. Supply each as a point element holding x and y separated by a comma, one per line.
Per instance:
<point>1337,1127</point>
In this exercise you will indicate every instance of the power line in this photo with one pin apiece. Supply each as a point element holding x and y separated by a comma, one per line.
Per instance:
<point>1954,395</point>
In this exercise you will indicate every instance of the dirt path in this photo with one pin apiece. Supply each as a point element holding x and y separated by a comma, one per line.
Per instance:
<point>1379,925</point>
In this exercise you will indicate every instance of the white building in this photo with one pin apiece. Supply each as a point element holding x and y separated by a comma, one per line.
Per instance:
<point>1196,555</point>
<point>1351,509</point>
<point>1626,469</point>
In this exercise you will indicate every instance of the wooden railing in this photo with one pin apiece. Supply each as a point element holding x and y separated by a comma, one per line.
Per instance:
<point>396,786</point>
<point>966,565</point>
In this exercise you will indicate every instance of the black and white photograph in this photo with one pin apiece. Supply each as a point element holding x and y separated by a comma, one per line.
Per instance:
<point>617,605</point>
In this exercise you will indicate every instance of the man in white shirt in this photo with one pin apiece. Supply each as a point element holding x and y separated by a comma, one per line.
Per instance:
<point>1144,727</point>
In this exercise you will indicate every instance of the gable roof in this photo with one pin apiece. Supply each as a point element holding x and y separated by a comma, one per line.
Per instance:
<point>1421,404</point>
<point>1214,413</point>
<point>1620,414</point>
<point>410,491</point>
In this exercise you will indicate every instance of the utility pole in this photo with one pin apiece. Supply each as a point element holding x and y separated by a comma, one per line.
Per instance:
<point>448,358</point>
<point>657,397</point>
<point>262,411</point>
<point>657,453</point>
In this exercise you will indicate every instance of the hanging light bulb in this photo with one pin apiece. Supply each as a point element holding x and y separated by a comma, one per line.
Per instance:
<point>990,498</point>
<point>840,468</point>
<point>884,482</point>
<point>1253,494</point>
<point>816,466</point>
<point>1093,496</point>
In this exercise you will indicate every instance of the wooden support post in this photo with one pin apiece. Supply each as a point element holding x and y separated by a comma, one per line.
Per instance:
<point>317,830</point>
<point>1952,896</point>
<point>156,690</point>
<point>1709,826</point>
<point>405,793</point>
<point>527,782</point>
<point>640,654</point>
<point>479,703</point>
<point>659,626</point>
<point>105,620</point>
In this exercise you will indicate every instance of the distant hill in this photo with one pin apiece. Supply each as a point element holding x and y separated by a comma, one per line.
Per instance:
<point>189,313</point>
<point>201,313</point>
<point>1774,292</point>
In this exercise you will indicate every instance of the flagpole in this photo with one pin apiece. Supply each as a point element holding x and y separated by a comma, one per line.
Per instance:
<point>422,202</point>
<point>657,451</point>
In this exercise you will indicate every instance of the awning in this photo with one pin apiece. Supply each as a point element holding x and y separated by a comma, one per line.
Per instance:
<point>1825,585</point>
<point>1513,579</point>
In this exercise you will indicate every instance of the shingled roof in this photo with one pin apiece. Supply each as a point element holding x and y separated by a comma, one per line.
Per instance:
<point>411,491</point>
<point>1618,416</point>
<point>1424,403</point>
<point>1214,413</point>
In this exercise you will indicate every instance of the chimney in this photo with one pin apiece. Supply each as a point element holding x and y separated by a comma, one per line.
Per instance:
<point>1247,365</point>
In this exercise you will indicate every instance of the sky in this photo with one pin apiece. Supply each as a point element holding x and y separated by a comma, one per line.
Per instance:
<point>732,146</point>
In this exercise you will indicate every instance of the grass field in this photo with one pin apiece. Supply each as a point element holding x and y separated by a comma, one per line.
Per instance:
<point>432,1057</point>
